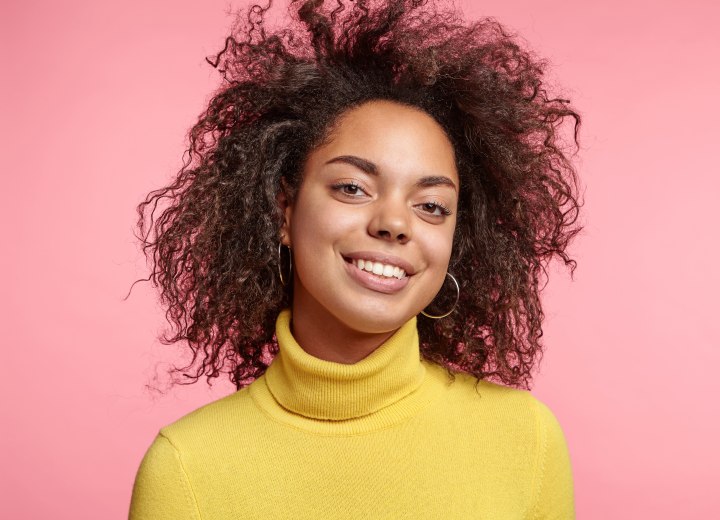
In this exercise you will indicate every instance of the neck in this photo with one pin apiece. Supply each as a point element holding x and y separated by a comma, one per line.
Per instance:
<point>331,340</point>
<point>314,388</point>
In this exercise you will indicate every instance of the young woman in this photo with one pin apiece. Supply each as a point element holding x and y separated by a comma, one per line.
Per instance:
<point>357,238</point>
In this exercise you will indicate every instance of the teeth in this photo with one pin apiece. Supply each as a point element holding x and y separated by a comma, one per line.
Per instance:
<point>387,270</point>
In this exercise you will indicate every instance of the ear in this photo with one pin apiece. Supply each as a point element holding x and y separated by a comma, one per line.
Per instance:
<point>286,210</point>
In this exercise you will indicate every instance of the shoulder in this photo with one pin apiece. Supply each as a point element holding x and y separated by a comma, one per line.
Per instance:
<point>212,424</point>
<point>510,412</point>
<point>490,397</point>
<point>515,429</point>
<point>162,488</point>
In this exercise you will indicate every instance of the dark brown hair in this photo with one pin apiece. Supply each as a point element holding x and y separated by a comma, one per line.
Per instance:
<point>215,247</point>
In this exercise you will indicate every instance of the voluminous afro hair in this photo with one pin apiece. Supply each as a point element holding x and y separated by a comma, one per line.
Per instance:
<point>215,247</point>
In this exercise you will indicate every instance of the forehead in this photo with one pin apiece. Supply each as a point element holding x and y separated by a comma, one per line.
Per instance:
<point>397,138</point>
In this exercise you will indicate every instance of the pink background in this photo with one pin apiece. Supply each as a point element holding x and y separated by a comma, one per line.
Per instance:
<point>96,99</point>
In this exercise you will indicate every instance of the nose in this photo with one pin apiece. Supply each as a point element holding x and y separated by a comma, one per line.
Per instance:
<point>391,221</point>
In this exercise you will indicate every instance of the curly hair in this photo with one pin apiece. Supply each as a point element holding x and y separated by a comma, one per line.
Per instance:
<point>215,247</point>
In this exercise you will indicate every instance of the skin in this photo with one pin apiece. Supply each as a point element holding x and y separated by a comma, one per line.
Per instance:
<point>340,208</point>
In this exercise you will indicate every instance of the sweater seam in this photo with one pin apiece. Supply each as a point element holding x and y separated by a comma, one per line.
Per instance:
<point>540,462</point>
<point>193,497</point>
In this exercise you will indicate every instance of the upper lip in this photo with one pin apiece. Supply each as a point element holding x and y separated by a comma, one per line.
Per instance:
<point>383,258</point>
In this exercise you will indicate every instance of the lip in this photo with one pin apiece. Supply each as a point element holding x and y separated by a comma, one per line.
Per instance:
<point>383,258</point>
<point>374,282</point>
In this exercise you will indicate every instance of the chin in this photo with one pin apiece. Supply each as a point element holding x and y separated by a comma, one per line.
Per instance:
<point>371,320</point>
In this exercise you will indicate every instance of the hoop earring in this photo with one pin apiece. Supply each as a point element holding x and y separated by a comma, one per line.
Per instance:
<point>457,298</point>
<point>282,278</point>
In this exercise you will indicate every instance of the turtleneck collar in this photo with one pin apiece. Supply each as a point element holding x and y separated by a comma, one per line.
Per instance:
<point>326,390</point>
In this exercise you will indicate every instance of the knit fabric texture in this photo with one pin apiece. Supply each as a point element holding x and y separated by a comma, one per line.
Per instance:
<point>389,437</point>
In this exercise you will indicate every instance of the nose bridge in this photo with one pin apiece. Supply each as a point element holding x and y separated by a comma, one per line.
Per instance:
<point>391,217</point>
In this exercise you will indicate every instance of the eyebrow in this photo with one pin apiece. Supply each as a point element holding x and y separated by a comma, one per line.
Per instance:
<point>372,169</point>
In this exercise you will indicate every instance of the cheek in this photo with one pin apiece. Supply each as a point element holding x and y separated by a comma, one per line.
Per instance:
<point>438,249</point>
<point>318,219</point>
<point>319,231</point>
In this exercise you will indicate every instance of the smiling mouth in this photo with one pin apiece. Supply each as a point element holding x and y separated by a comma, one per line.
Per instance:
<point>378,269</point>
<point>376,282</point>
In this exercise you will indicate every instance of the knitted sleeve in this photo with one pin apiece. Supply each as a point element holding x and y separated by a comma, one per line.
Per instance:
<point>554,495</point>
<point>162,489</point>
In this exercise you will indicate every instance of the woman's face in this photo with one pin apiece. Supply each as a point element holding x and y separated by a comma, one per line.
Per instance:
<point>383,191</point>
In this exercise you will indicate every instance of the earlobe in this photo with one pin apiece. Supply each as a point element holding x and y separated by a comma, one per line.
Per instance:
<point>286,211</point>
<point>285,235</point>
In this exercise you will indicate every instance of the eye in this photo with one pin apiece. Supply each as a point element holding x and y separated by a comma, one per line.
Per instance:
<point>435,209</point>
<point>352,189</point>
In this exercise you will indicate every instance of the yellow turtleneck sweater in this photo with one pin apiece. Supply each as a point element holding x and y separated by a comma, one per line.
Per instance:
<point>389,437</point>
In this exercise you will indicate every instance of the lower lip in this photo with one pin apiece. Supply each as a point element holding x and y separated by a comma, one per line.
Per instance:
<point>374,282</point>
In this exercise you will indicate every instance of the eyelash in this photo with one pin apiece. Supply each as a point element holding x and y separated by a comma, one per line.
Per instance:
<point>341,186</point>
<point>444,210</point>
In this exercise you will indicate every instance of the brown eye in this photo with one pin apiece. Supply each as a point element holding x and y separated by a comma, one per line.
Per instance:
<point>435,209</point>
<point>350,189</point>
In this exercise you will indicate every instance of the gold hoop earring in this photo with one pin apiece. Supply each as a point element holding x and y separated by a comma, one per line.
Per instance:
<point>282,278</point>
<point>457,299</point>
